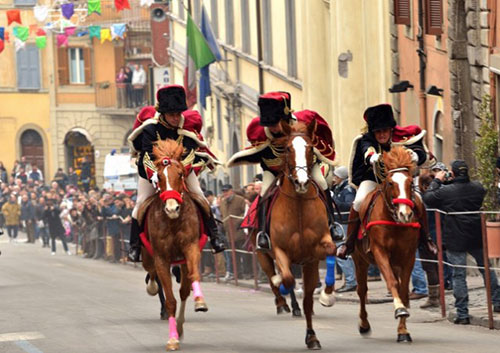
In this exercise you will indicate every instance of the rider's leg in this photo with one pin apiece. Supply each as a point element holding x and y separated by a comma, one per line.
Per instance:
<point>318,177</point>
<point>193,185</point>
<point>364,189</point>
<point>262,238</point>
<point>144,190</point>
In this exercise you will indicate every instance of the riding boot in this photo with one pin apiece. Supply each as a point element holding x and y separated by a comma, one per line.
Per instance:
<point>425,241</point>
<point>352,232</point>
<point>330,212</point>
<point>213,233</point>
<point>262,239</point>
<point>134,252</point>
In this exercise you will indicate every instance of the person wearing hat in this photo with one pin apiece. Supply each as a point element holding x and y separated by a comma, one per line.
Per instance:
<point>461,232</point>
<point>382,134</point>
<point>170,119</point>
<point>262,133</point>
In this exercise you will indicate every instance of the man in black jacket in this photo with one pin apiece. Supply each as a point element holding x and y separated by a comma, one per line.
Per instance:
<point>462,232</point>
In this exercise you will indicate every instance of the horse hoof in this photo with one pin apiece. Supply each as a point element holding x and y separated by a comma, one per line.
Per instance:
<point>282,309</point>
<point>276,280</point>
<point>173,344</point>
<point>311,341</point>
<point>401,312</point>
<point>296,313</point>
<point>365,331</point>
<point>404,337</point>
<point>163,315</point>
<point>326,299</point>
<point>152,288</point>
<point>200,306</point>
<point>314,345</point>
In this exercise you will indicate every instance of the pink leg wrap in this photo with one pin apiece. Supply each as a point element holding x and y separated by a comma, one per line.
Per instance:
<point>197,290</point>
<point>172,328</point>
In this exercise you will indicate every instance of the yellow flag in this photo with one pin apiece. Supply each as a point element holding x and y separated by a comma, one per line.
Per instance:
<point>105,35</point>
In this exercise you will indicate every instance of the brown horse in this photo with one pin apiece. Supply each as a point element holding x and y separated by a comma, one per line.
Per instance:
<point>299,223</point>
<point>173,230</point>
<point>391,222</point>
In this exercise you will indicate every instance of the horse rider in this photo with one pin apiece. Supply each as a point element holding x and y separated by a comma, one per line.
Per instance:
<point>262,133</point>
<point>170,119</point>
<point>382,134</point>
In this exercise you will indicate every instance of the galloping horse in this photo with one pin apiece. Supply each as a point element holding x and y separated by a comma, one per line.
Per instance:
<point>390,217</point>
<point>173,230</point>
<point>299,223</point>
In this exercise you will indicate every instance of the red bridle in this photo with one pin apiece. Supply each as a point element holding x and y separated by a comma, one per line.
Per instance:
<point>406,202</point>
<point>171,194</point>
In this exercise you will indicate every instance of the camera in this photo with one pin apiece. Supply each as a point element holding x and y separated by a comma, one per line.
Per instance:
<point>448,175</point>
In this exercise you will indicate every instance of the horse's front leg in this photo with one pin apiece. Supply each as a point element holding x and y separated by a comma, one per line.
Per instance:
<point>184,294</point>
<point>361,266</point>
<point>403,334</point>
<point>283,263</point>
<point>192,254</point>
<point>267,264</point>
<point>310,278</point>
<point>391,281</point>
<point>163,270</point>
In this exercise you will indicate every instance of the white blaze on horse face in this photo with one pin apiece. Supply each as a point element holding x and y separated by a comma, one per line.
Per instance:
<point>299,145</point>
<point>171,205</point>
<point>404,211</point>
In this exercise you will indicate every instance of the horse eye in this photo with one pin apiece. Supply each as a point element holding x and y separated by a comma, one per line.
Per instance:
<point>165,162</point>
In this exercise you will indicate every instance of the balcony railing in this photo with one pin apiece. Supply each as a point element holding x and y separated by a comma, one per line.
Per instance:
<point>137,18</point>
<point>108,96</point>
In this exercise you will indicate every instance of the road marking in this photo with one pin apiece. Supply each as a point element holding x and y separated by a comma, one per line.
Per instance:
<point>27,347</point>
<point>20,336</point>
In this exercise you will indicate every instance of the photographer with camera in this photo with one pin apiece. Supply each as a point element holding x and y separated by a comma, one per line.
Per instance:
<point>461,232</point>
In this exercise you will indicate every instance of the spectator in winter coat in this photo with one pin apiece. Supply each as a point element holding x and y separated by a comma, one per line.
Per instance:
<point>28,217</point>
<point>56,229</point>
<point>12,213</point>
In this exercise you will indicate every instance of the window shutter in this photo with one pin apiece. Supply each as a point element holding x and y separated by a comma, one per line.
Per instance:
<point>434,17</point>
<point>87,64</point>
<point>28,68</point>
<point>63,69</point>
<point>402,12</point>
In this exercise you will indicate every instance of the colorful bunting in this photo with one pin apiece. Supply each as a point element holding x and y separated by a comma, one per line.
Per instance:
<point>40,32</point>
<point>94,6</point>
<point>21,32</point>
<point>147,3</point>
<point>33,29</point>
<point>68,10</point>
<point>69,31</point>
<point>41,42</point>
<point>82,33</point>
<point>121,5</point>
<point>95,31</point>
<point>2,45</point>
<point>13,16</point>
<point>2,31</point>
<point>19,44</point>
<point>62,39</point>
<point>7,37</point>
<point>105,35</point>
<point>118,30</point>
<point>41,13</point>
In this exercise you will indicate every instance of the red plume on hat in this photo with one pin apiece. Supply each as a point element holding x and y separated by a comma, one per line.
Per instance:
<point>274,106</point>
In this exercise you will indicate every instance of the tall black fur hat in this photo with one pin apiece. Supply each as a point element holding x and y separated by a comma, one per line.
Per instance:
<point>274,106</point>
<point>379,117</point>
<point>171,99</point>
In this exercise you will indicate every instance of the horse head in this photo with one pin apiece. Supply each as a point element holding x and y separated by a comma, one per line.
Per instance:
<point>299,154</point>
<point>398,184</point>
<point>171,175</point>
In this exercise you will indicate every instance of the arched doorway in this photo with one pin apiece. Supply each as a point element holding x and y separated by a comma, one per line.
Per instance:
<point>78,148</point>
<point>32,148</point>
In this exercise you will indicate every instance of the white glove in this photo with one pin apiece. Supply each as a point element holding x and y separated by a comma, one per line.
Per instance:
<point>374,158</point>
<point>154,180</point>
<point>414,156</point>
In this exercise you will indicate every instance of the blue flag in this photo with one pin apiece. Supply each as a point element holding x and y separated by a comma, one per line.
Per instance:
<point>208,33</point>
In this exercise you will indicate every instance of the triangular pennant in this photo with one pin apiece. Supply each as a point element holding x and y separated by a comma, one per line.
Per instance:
<point>68,10</point>
<point>94,6</point>
<point>13,16</point>
<point>105,35</point>
<point>2,31</point>
<point>40,32</point>
<point>41,12</point>
<point>118,30</point>
<point>21,32</point>
<point>121,5</point>
<point>6,37</point>
<point>41,42</point>
<point>2,45</point>
<point>147,3</point>
<point>69,31</point>
<point>95,31</point>
<point>19,44</point>
<point>33,29</point>
<point>62,39</point>
<point>82,33</point>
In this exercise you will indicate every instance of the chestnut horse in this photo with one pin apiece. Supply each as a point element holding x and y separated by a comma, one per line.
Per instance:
<point>299,223</point>
<point>174,233</point>
<point>390,215</point>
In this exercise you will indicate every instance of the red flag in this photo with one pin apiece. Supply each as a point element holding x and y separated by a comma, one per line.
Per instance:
<point>2,45</point>
<point>121,5</point>
<point>40,32</point>
<point>33,28</point>
<point>13,16</point>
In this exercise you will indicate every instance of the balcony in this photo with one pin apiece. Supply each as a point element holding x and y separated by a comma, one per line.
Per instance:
<point>108,100</point>
<point>137,18</point>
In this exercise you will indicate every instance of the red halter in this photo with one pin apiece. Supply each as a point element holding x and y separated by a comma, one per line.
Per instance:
<point>171,194</point>
<point>407,202</point>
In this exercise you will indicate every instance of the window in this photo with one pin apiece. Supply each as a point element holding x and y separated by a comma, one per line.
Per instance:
<point>402,12</point>
<point>214,18</point>
<point>438,137</point>
<point>74,66</point>
<point>219,122</point>
<point>180,9</point>
<point>229,22</point>
<point>25,2</point>
<point>434,17</point>
<point>245,27</point>
<point>267,38</point>
<point>28,68</point>
<point>291,51</point>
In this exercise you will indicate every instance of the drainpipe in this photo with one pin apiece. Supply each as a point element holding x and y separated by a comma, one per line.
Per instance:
<point>492,20</point>
<point>259,47</point>
<point>422,65</point>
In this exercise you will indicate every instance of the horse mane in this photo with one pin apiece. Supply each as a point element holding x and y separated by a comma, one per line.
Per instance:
<point>299,127</point>
<point>167,148</point>
<point>398,157</point>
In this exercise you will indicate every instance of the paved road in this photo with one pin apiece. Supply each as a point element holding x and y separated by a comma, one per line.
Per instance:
<point>67,304</point>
